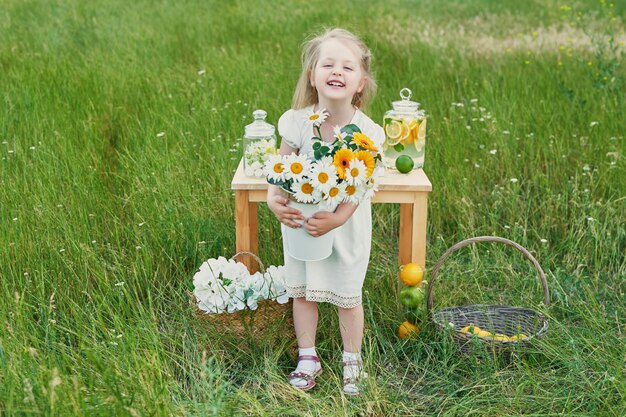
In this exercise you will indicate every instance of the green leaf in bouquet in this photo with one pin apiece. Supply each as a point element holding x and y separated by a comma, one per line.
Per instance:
<point>388,120</point>
<point>317,154</point>
<point>316,145</point>
<point>350,129</point>
<point>275,182</point>
<point>399,147</point>
<point>324,150</point>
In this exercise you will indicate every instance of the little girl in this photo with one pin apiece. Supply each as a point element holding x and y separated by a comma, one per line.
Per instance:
<point>335,76</point>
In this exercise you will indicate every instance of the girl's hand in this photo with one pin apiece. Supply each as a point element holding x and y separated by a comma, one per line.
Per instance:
<point>321,223</point>
<point>286,215</point>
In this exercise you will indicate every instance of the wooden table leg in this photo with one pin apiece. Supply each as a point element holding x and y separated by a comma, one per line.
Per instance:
<point>246,237</point>
<point>420,213</point>
<point>405,245</point>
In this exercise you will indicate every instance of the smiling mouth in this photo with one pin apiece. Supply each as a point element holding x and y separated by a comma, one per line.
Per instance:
<point>336,84</point>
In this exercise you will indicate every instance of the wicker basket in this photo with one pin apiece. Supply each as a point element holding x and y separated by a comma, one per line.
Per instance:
<point>270,322</point>
<point>501,319</point>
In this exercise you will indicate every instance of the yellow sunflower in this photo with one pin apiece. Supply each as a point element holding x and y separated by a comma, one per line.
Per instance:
<point>342,160</point>
<point>364,141</point>
<point>368,160</point>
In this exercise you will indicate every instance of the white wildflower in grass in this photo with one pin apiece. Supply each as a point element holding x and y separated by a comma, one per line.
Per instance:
<point>296,167</point>
<point>160,134</point>
<point>356,172</point>
<point>474,100</point>
<point>544,241</point>
<point>592,124</point>
<point>201,72</point>
<point>275,168</point>
<point>493,151</point>
<point>334,197</point>
<point>318,117</point>
<point>324,175</point>
<point>514,180</point>
<point>304,192</point>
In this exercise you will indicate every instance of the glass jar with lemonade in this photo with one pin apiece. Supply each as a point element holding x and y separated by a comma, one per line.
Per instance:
<point>405,132</point>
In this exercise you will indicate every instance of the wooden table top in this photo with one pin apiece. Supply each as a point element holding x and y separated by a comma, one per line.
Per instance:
<point>393,180</point>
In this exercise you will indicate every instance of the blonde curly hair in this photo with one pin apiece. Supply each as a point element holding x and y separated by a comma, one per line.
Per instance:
<point>306,95</point>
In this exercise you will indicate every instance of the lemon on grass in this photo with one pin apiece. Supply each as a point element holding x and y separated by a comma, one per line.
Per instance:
<point>404,164</point>
<point>408,329</point>
<point>411,274</point>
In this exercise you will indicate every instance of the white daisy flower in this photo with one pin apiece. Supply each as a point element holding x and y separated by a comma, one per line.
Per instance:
<point>324,175</point>
<point>356,173</point>
<point>318,117</point>
<point>338,134</point>
<point>354,194</point>
<point>333,197</point>
<point>296,167</point>
<point>371,186</point>
<point>275,168</point>
<point>305,193</point>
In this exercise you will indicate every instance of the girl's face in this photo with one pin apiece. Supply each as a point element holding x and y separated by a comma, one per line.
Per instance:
<point>337,76</point>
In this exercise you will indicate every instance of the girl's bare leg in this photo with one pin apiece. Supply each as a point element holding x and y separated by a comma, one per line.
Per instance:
<point>351,323</point>
<point>305,323</point>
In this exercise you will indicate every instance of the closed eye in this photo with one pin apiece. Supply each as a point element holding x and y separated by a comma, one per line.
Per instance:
<point>348,68</point>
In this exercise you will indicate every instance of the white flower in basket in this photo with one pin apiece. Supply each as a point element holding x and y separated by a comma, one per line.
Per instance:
<point>225,286</point>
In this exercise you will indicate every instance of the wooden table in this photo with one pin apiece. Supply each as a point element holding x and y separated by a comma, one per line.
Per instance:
<point>409,190</point>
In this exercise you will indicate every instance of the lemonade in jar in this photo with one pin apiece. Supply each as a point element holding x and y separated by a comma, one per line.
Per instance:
<point>405,131</point>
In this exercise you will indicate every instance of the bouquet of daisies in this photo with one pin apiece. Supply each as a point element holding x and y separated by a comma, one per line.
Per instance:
<point>223,285</point>
<point>345,170</point>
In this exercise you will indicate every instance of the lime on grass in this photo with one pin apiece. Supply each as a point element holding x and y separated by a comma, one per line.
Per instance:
<point>404,164</point>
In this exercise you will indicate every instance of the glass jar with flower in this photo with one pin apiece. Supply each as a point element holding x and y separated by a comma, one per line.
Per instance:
<point>259,141</point>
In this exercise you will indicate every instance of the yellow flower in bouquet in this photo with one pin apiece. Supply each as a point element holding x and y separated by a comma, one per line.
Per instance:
<point>341,160</point>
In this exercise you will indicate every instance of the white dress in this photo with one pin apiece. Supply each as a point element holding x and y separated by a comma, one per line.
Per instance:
<point>339,278</point>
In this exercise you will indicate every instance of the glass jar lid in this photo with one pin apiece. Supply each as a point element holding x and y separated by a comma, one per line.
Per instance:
<point>406,105</point>
<point>259,128</point>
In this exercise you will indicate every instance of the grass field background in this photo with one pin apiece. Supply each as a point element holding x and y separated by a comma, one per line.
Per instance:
<point>120,126</point>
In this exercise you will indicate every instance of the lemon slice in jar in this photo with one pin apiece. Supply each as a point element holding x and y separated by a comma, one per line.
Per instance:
<point>413,125</point>
<point>393,131</point>
<point>420,135</point>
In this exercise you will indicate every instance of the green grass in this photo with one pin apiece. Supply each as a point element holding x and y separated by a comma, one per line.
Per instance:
<point>103,222</point>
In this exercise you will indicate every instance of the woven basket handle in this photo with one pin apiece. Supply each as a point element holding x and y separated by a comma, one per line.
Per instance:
<point>254,256</point>
<point>466,242</point>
